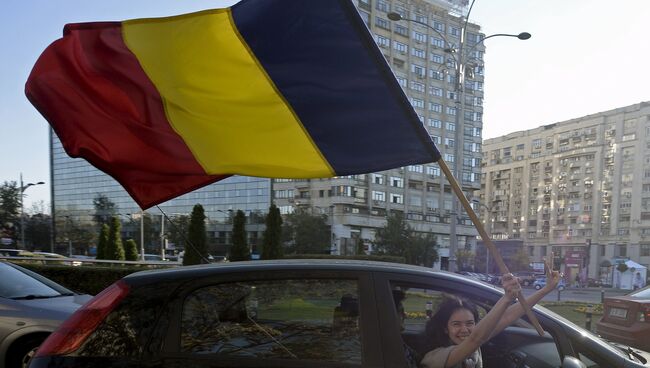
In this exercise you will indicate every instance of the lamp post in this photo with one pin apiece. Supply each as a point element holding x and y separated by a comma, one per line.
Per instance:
<point>23,188</point>
<point>490,219</point>
<point>458,56</point>
<point>130,217</point>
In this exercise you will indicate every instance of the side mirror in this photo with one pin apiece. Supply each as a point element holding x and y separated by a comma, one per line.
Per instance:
<point>572,362</point>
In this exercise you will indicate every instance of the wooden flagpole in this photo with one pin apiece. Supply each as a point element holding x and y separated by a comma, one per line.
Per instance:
<point>486,240</point>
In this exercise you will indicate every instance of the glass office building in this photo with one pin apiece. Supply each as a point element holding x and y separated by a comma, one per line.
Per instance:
<point>76,184</point>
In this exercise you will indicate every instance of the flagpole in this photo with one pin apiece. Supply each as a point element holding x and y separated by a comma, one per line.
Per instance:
<point>486,240</point>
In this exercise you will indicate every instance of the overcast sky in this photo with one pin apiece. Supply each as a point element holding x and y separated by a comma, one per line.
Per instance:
<point>584,57</point>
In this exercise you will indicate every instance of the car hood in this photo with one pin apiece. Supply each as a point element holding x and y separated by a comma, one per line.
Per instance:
<point>58,308</point>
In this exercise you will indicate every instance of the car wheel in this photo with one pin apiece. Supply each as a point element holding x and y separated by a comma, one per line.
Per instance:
<point>20,356</point>
<point>537,287</point>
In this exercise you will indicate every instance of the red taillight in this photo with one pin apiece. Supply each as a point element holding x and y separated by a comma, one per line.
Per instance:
<point>645,314</point>
<point>74,331</point>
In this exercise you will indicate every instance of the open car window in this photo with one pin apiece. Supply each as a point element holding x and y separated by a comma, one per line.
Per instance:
<point>311,319</point>
<point>516,345</point>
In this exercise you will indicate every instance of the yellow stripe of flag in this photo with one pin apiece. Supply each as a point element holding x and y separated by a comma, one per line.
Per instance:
<point>228,111</point>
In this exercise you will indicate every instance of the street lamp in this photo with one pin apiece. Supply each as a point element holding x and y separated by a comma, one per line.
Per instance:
<point>23,188</point>
<point>130,217</point>
<point>457,54</point>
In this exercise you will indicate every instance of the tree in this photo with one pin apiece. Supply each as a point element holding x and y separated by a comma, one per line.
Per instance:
<point>177,230</point>
<point>398,239</point>
<point>131,250</point>
<point>38,231</point>
<point>271,240</point>
<point>196,249</point>
<point>465,260</point>
<point>360,247</point>
<point>394,238</point>
<point>307,233</point>
<point>105,209</point>
<point>115,250</point>
<point>424,249</point>
<point>102,242</point>
<point>9,210</point>
<point>239,250</point>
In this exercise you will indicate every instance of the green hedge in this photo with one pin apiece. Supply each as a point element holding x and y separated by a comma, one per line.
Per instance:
<point>86,280</point>
<point>366,257</point>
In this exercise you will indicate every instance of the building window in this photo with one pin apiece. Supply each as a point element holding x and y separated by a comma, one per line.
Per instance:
<point>417,86</point>
<point>378,179</point>
<point>415,168</point>
<point>450,126</point>
<point>396,182</point>
<point>378,196</point>
<point>382,6</point>
<point>418,70</point>
<point>433,171</point>
<point>417,103</point>
<point>437,42</point>
<point>402,81</point>
<point>383,41</point>
<point>400,47</point>
<point>418,53</point>
<point>435,91</point>
<point>434,123</point>
<point>438,59</point>
<point>644,250</point>
<point>419,37</point>
<point>401,30</point>
<point>435,107</point>
<point>396,198</point>
<point>382,23</point>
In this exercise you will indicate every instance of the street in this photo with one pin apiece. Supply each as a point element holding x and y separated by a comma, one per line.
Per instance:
<point>586,295</point>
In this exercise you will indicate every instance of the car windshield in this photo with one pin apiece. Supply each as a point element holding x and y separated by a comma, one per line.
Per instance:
<point>16,284</point>
<point>641,294</point>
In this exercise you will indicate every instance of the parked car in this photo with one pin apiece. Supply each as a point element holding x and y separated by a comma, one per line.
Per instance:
<point>527,278</point>
<point>626,319</point>
<point>298,313</point>
<point>540,282</point>
<point>31,307</point>
<point>57,256</point>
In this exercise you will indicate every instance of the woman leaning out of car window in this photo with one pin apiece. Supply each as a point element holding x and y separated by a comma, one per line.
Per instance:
<point>457,337</point>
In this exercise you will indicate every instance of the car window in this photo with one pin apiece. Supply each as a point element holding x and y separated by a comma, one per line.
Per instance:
<point>17,284</point>
<point>519,340</point>
<point>312,319</point>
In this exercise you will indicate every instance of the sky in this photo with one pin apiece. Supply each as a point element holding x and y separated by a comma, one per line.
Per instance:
<point>584,57</point>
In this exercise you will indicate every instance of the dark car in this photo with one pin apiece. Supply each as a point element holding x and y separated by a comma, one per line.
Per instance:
<point>527,278</point>
<point>31,307</point>
<point>626,319</point>
<point>301,313</point>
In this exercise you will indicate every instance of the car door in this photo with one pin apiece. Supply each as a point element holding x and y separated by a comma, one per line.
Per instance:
<point>290,318</point>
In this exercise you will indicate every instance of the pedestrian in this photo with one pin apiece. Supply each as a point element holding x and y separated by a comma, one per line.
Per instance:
<point>638,282</point>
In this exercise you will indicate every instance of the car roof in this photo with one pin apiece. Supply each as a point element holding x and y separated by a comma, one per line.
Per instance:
<point>206,270</point>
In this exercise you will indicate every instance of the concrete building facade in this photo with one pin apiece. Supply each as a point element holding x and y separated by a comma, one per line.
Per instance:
<point>578,188</point>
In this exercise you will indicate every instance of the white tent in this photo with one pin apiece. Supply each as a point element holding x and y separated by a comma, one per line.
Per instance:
<point>625,280</point>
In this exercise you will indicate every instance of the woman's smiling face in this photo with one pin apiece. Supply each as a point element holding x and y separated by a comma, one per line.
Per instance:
<point>460,325</point>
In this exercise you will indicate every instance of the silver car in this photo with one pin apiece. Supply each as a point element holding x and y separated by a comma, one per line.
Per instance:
<point>31,307</point>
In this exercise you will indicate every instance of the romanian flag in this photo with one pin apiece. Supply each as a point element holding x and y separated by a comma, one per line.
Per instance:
<point>270,88</point>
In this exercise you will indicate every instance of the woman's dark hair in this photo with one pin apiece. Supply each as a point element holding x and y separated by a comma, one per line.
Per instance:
<point>436,327</point>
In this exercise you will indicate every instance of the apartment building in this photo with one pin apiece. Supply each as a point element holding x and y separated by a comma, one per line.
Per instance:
<point>578,188</point>
<point>357,205</point>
